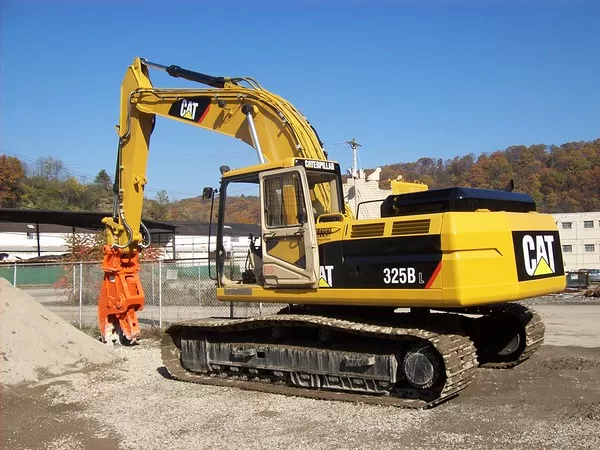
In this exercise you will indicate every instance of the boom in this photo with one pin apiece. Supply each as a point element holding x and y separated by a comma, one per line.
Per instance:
<point>237,107</point>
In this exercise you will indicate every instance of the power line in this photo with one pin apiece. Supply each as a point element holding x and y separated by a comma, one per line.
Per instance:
<point>194,158</point>
<point>64,168</point>
<point>86,177</point>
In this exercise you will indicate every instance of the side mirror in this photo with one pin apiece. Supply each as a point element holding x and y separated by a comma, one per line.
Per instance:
<point>207,193</point>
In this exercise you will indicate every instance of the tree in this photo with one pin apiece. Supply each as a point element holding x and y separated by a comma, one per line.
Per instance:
<point>560,178</point>
<point>158,209</point>
<point>50,168</point>
<point>162,198</point>
<point>103,179</point>
<point>11,175</point>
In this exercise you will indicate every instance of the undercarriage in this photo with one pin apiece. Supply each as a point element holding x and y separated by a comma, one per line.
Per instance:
<point>369,355</point>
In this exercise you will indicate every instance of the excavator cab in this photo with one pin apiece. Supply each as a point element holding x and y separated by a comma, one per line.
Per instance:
<point>290,199</point>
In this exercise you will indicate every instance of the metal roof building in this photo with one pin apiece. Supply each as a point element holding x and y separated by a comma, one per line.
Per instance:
<point>27,233</point>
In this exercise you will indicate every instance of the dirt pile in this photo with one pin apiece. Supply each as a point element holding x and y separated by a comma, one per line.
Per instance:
<point>35,342</point>
<point>594,292</point>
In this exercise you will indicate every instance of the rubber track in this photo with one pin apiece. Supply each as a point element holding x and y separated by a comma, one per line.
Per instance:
<point>458,352</point>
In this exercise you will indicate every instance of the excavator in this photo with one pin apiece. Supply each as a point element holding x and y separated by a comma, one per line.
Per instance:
<point>398,310</point>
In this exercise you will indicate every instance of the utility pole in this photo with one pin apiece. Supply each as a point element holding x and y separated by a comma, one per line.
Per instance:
<point>354,146</point>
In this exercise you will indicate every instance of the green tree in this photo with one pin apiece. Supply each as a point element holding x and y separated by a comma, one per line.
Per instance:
<point>158,209</point>
<point>103,179</point>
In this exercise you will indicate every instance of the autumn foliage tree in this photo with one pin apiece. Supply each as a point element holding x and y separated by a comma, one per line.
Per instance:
<point>560,178</point>
<point>47,184</point>
<point>89,247</point>
<point>12,174</point>
<point>564,178</point>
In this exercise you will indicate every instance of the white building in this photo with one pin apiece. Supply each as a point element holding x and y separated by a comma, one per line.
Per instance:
<point>191,240</point>
<point>26,234</point>
<point>363,193</point>
<point>580,239</point>
<point>365,189</point>
<point>31,233</point>
<point>27,240</point>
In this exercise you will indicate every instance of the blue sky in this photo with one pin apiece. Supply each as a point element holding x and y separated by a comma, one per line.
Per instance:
<point>407,79</point>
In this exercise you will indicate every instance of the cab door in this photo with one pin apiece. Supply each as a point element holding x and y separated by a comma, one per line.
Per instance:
<point>290,253</point>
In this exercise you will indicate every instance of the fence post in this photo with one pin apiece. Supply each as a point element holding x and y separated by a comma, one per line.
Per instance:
<point>160,294</point>
<point>153,297</point>
<point>15,275</point>
<point>80,294</point>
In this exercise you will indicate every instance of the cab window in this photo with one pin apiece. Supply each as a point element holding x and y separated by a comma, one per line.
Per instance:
<point>323,192</point>
<point>284,202</point>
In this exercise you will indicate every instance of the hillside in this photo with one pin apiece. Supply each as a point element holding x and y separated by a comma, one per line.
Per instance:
<point>564,178</point>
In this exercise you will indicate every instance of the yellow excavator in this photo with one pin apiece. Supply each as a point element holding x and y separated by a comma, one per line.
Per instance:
<point>398,310</point>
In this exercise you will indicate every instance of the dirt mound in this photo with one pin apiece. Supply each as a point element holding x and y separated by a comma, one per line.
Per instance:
<point>35,342</point>
<point>594,292</point>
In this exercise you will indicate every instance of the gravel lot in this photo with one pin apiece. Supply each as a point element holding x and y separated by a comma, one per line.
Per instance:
<point>550,401</point>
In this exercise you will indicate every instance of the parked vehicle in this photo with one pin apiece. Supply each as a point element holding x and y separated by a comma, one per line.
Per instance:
<point>593,275</point>
<point>7,257</point>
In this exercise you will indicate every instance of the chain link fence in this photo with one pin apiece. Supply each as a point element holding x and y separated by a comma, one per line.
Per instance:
<point>175,290</point>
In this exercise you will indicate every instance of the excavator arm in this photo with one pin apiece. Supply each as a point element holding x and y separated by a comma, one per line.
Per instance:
<point>237,107</point>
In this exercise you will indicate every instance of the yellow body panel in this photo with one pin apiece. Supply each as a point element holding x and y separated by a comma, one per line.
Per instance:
<point>478,263</point>
<point>353,297</point>
<point>478,266</point>
<point>399,186</point>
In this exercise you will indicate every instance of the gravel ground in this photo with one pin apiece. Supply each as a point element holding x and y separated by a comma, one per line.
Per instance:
<point>550,401</point>
<point>564,298</point>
